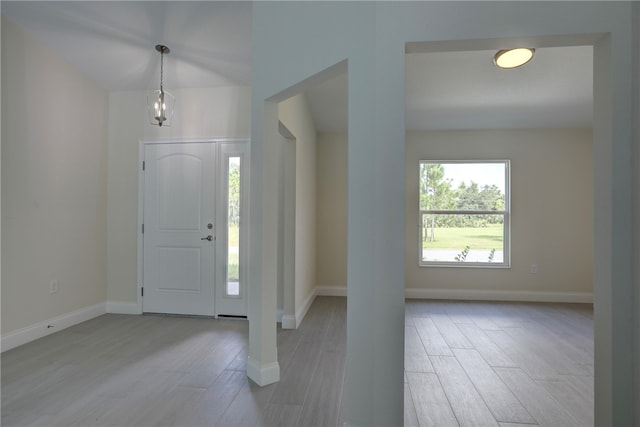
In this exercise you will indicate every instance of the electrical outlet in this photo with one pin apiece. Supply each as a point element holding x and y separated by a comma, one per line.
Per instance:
<point>53,286</point>
<point>534,268</point>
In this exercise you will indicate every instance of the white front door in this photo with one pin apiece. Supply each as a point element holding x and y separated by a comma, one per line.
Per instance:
<point>179,228</point>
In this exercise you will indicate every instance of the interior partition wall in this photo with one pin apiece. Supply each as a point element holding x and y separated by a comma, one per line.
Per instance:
<point>294,40</point>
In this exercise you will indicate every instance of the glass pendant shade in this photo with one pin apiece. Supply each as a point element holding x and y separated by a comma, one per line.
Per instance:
<point>160,103</point>
<point>161,106</point>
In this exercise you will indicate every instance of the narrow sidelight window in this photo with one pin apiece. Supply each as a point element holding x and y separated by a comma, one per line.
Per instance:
<point>233,225</point>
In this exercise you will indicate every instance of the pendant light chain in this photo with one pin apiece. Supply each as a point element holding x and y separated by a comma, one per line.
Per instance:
<point>161,68</point>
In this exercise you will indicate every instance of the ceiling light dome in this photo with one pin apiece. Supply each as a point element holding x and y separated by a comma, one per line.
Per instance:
<point>513,58</point>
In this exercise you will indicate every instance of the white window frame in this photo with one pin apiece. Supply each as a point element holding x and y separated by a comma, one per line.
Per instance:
<point>506,263</point>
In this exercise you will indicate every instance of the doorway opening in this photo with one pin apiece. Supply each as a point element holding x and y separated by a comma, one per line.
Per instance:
<point>526,117</point>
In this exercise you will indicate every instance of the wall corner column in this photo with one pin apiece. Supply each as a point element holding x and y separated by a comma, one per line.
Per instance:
<point>262,362</point>
<point>375,269</point>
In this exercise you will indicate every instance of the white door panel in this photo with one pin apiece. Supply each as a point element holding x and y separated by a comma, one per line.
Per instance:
<point>178,207</point>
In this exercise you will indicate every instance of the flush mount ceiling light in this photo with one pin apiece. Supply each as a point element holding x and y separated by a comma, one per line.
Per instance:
<point>513,58</point>
<point>160,102</point>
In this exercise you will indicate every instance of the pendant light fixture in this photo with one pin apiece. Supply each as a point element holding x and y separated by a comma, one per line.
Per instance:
<point>160,102</point>
<point>513,58</point>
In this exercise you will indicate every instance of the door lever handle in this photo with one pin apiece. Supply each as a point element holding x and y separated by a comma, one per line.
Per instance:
<point>209,238</point>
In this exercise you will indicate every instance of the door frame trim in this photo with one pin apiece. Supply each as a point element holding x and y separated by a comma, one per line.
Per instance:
<point>140,238</point>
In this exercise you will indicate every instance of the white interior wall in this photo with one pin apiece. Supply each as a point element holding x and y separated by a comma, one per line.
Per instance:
<point>200,113</point>
<point>373,36</point>
<point>552,214</point>
<point>370,177</point>
<point>54,186</point>
<point>332,211</point>
<point>636,118</point>
<point>281,240</point>
<point>295,115</point>
<point>613,222</point>
<point>288,287</point>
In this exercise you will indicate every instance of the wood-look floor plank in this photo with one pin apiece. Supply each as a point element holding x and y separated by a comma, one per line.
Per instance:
<point>497,396</point>
<point>563,343</point>
<point>162,411</point>
<point>563,313</point>
<point>336,337</point>
<point>526,358</point>
<point>239,363</point>
<point>342,414</point>
<point>296,377</point>
<point>485,346</point>
<point>546,410</point>
<point>516,425</point>
<point>547,350</point>
<point>450,332</point>
<point>504,315</point>
<point>574,402</point>
<point>431,404</point>
<point>136,407</point>
<point>93,414</point>
<point>583,384</point>
<point>208,408</point>
<point>410,416</point>
<point>216,360</point>
<point>418,308</point>
<point>433,342</point>
<point>322,402</point>
<point>415,356</point>
<point>248,407</point>
<point>466,402</point>
<point>456,310</point>
<point>288,340</point>
<point>324,396</point>
<point>481,316</point>
<point>580,337</point>
<point>281,415</point>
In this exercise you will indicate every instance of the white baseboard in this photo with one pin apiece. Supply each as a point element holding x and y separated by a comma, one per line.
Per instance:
<point>121,307</point>
<point>263,374</point>
<point>302,311</point>
<point>289,322</point>
<point>331,291</point>
<point>30,333</point>
<point>484,295</point>
<point>479,295</point>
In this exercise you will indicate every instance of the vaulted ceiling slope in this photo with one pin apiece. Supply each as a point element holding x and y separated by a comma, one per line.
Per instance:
<point>113,44</point>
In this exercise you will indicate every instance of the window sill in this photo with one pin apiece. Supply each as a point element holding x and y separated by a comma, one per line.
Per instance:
<point>465,265</point>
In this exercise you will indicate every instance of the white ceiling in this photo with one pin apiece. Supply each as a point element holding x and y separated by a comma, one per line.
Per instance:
<point>113,44</point>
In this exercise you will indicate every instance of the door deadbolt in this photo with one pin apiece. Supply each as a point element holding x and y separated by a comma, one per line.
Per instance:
<point>209,226</point>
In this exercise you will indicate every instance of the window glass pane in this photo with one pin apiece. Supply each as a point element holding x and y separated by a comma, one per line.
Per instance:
<point>233,227</point>
<point>462,238</point>
<point>462,186</point>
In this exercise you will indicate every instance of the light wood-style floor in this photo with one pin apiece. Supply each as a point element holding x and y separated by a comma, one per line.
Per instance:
<point>499,364</point>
